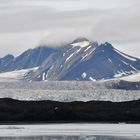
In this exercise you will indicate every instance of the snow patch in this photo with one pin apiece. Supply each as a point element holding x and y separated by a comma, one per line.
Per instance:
<point>84,56</point>
<point>126,56</point>
<point>132,78</point>
<point>92,79</point>
<point>87,48</point>
<point>110,60</point>
<point>125,63</point>
<point>84,75</point>
<point>78,50</point>
<point>118,75</point>
<point>16,74</point>
<point>64,54</point>
<point>69,57</point>
<point>121,74</point>
<point>134,68</point>
<point>81,44</point>
<point>88,54</point>
<point>43,76</point>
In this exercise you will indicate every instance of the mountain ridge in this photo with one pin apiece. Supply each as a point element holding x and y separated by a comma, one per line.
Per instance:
<point>79,60</point>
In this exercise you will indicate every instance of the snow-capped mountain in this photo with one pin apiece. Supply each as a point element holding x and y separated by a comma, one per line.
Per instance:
<point>86,60</point>
<point>79,60</point>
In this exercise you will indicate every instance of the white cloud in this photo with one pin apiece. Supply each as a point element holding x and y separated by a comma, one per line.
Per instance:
<point>27,23</point>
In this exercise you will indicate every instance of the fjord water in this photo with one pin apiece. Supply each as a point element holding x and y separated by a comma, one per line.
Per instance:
<point>70,138</point>
<point>73,131</point>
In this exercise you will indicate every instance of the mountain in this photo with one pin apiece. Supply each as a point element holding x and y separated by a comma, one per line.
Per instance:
<point>5,62</point>
<point>28,59</point>
<point>79,60</point>
<point>86,60</point>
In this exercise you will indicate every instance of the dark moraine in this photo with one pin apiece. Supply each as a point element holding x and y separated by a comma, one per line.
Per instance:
<point>52,111</point>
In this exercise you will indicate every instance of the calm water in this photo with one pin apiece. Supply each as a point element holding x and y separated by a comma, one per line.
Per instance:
<point>70,138</point>
<point>70,132</point>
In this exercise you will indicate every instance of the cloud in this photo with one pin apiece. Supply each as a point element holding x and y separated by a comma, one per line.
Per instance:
<point>15,43</point>
<point>28,23</point>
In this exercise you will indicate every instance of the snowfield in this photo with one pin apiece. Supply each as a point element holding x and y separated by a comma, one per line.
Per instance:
<point>65,91</point>
<point>15,75</point>
<point>19,75</point>
<point>133,78</point>
<point>81,44</point>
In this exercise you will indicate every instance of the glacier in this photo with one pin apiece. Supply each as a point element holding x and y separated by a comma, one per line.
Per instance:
<point>65,91</point>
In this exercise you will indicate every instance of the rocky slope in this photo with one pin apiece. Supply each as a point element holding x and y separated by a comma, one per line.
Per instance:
<point>81,60</point>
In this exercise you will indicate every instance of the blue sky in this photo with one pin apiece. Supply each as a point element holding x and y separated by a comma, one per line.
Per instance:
<point>28,23</point>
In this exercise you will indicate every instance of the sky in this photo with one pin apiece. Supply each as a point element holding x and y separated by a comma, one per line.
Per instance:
<point>27,24</point>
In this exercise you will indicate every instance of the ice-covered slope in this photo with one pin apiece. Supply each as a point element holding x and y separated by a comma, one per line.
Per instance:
<point>16,75</point>
<point>130,82</point>
<point>132,78</point>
